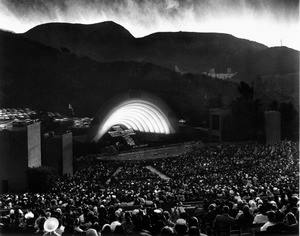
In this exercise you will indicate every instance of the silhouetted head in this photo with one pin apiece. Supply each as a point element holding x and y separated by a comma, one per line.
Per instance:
<point>271,216</point>
<point>289,219</point>
<point>225,209</point>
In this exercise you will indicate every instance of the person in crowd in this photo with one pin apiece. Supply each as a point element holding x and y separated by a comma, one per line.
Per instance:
<point>139,227</point>
<point>246,218</point>
<point>210,217</point>
<point>167,230</point>
<point>271,221</point>
<point>40,226</point>
<point>91,232</point>
<point>289,225</point>
<point>106,230</point>
<point>168,221</point>
<point>127,223</point>
<point>50,227</point>
<point>77,227</point>
<point>181,227</point>
<point>216,176</point>
<point>253,207</point>
<point>261,217</point>
<point>194,227</point>
<point>224,222</point>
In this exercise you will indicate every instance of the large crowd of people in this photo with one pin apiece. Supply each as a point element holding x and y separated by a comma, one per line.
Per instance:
<point>241,185</point>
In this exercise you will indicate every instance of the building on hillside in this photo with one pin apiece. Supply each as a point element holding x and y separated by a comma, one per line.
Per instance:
<point>224,76</point>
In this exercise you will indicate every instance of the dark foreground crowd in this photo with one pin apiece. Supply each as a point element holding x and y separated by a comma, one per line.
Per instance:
<point>235,187</point>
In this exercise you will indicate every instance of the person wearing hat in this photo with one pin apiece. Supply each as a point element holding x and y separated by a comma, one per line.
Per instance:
<point>29,222</point>
<point>181,227</point>
<point>91,232</point>
<point>50,225</point>
<point>106,230</point>
<point>166,231</point>
<point>114,224</point>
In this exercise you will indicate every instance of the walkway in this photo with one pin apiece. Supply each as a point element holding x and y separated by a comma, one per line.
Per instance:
<point>161,175</point>
<point>116,172</point>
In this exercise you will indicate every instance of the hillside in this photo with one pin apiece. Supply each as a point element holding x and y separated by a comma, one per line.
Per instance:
<point>34,75</point>
<point>190,52</point>
<point>184,52</point>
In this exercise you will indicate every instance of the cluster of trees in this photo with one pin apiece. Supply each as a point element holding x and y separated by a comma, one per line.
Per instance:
<point>247,119</point>
<point>289,119</point>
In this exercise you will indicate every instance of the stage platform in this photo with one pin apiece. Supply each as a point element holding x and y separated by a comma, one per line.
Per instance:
<point>154,153</point>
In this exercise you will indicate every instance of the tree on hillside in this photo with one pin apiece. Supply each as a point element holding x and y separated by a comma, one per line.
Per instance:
<point>274,106</point>
<point>215,102</point>
<point>289,121</point>
<point>47,122</point>
<point>245,91</point>
<point>247,114</point>
<point>288,112</point>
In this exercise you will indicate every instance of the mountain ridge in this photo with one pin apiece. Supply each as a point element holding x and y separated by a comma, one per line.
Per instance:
<point>190,51</point>
<point>34,75</point>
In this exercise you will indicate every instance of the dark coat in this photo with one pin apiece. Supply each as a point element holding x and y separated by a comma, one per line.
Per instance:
<point>223,224</point>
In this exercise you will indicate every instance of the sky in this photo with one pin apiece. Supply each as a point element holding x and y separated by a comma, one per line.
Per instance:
<point>271,22</point>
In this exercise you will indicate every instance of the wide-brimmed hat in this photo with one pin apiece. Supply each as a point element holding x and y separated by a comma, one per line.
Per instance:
<point>29,215</point>
<point>114,224</point>
<point>51,224</point>
<point>158,211</point>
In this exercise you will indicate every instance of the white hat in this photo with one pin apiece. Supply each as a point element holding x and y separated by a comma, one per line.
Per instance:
<point>58,210</point>
<point>114,224</point>
<point>51,224</point>
<point>181,222</point>
<point>157,211</point>
<point>29,215</point>
<point>135,211</point>
<point>105,226</point>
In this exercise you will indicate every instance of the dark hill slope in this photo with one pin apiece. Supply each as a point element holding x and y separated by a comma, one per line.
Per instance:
<point>190,52</point>
<point>34,75</point>
<point>185,51</point>
<point>198,52</point>
<point>102,41</point>
<point>277,75</point>
<point>107,33</point>
<point>276,60</point>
